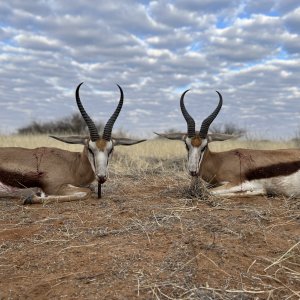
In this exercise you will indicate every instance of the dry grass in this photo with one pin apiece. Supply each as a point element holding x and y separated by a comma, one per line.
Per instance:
<point>152,236</point>
<point>34,141</point>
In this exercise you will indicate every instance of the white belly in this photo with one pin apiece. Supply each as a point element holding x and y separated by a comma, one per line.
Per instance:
<point>284,185</point>
<point>7,188</point>
<point>11,191</point>
<point>288,186</point>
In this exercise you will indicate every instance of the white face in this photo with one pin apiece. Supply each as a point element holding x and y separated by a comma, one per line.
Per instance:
<point>196,148</point>
<point>98,155</point>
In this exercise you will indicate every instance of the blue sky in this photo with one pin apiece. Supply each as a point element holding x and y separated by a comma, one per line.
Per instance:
<point>247,50</point>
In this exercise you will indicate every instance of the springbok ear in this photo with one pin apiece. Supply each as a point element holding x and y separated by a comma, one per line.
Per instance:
<point>213,137</point>
<point>173,136</point>
<point>75,139</point>
<point>126,142</point>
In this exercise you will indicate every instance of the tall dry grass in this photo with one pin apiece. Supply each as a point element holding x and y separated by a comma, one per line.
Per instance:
<point>35,141</point>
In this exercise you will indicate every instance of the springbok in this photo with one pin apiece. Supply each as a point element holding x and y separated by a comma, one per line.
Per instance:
<point>238,171</point>
<point>61,175</point>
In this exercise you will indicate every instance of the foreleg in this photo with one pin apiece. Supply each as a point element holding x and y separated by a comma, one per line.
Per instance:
<point>65,193</point>
<point>244,189</point>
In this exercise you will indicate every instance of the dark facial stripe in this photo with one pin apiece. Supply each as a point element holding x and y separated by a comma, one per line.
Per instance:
<point>21,180</point>
<point>204,148</point>
<point>280,169</point>
<point>93,155</point>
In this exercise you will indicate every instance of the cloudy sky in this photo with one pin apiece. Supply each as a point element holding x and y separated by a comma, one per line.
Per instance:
<point>247,50</point>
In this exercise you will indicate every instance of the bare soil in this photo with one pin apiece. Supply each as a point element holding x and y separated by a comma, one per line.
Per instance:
<point>148,238</point>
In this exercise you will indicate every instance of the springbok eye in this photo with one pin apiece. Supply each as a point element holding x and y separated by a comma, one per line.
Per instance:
<point>91,151</point>
<point>186,146</point>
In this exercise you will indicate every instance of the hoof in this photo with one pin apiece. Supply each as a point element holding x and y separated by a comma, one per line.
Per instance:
<point>28,200</point>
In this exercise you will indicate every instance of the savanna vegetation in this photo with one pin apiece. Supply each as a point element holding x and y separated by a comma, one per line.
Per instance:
<point>153,235</point>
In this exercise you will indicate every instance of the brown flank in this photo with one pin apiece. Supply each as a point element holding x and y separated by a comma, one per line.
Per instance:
<point>280,169</point>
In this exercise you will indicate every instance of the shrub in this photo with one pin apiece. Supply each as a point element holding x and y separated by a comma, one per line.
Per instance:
<point>227,128</point>
<point>73,124</point>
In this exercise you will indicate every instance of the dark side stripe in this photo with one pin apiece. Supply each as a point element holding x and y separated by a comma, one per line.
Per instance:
<point>21,180</point>
<point>275,170</point>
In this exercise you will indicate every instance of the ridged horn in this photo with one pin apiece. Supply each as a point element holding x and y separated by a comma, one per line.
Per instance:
<point>189,120</point>
<point>110,123</point>
<point>206,123</point>
<point>89,122</point>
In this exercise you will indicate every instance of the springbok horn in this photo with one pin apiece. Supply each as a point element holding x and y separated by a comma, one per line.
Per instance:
<point>189,120</point>
<point>92,128</point>
<point>206,123</point>
<point>110,123</point>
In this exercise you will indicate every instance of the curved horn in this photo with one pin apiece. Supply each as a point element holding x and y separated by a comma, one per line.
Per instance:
<point>189,120</point>
<point>110,123</point>
<point>92,128</point>
<point>206,123</point>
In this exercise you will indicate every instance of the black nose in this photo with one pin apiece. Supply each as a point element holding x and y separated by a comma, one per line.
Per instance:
<point>193,173</point>
<point>101,179</point>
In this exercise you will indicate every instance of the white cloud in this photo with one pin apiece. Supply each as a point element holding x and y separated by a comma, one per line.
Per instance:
<point>248,50</point>
<point>284,6</point>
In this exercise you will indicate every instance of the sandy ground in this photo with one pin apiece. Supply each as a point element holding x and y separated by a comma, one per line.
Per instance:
<point>149,238</point>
